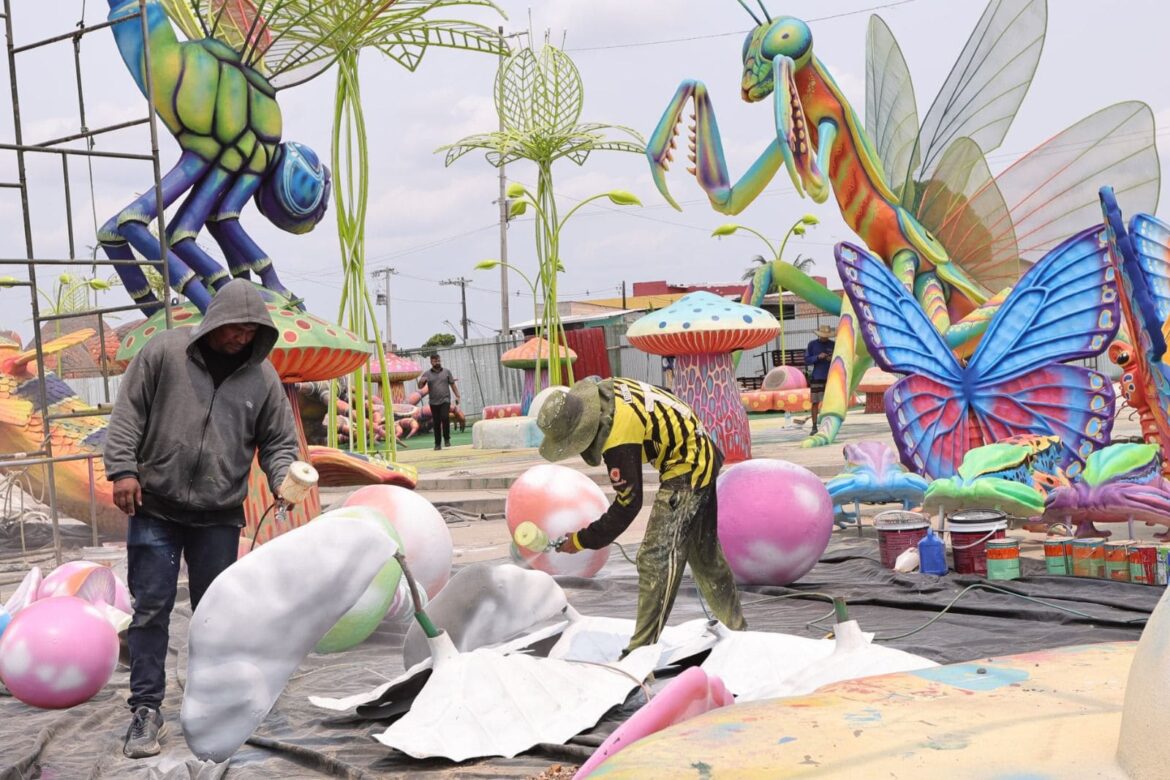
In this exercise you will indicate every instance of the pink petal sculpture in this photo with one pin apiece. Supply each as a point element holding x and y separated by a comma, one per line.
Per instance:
<point>57,652</point>
<point>691,693</point>
<point>89,581</point>
<point>425,538</point>
<point>775,519</point>
<point>559,500</point>
<point>702,330</point>
<point>26,592</point>
<point>526,357</point>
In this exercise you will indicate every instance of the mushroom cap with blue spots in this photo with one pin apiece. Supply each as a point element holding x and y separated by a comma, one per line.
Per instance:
<point>702,322</point>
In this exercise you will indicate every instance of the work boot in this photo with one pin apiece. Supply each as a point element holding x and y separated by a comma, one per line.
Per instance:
<point>146,729</point>
<point>446,442</point>
<point>437,448</point>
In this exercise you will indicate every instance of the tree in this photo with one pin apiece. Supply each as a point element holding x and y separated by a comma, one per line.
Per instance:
<point>440,340</point>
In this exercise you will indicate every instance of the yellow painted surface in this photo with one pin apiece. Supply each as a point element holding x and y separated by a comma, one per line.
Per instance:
<point>1049,714</point>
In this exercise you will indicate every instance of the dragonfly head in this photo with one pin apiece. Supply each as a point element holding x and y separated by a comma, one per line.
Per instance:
<point>784,36</point>
<point>295,192</point>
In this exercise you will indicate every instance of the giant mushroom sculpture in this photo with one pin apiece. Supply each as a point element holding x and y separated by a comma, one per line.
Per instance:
<point>702,330</point>
<point>526,356</point>
<point>398,371</point>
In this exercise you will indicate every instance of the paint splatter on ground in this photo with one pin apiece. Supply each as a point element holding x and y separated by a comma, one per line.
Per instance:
<point>556,772</point>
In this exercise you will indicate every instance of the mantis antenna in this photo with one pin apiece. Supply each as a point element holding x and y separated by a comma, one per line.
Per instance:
<point>767,15</point>
<point>755,18</point>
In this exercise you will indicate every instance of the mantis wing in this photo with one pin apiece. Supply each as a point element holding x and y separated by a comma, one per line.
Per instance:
<point>985,87</point>
<point>891,113</point>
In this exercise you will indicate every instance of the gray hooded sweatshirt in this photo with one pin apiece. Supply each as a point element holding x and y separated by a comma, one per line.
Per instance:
<point>190,443</point>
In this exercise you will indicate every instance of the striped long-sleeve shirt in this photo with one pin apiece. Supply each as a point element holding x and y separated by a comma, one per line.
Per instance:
<point>650,425</point>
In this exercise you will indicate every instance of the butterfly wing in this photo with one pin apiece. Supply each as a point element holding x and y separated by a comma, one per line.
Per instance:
<point>1014,383</point>
<point>1151,241</point>
<point>1065,308</point>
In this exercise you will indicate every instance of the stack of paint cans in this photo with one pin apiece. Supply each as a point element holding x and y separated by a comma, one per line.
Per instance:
<point>1143,563</point>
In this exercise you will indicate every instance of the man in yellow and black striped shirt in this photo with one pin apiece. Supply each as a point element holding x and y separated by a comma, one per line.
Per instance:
<point>625,423</point>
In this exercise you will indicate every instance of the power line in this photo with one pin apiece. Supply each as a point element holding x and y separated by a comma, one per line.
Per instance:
<point>740,33</point>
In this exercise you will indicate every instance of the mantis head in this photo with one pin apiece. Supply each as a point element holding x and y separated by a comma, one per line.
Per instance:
<point>785,36</point>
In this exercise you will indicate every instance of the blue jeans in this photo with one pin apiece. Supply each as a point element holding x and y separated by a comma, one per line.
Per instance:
<point>153,548</point>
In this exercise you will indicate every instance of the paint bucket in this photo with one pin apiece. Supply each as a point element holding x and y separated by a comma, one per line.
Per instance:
<point>1003,559</point>
<point>1117,560</point>
<point>1162,566</point>
<point>897,532</point>
<point>1056,555</point>
<point>970,531</point>
<point>1088,557</point>
<point>1143,563</point>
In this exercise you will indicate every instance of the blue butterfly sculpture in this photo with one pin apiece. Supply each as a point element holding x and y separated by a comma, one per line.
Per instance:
<point>1065,308</point>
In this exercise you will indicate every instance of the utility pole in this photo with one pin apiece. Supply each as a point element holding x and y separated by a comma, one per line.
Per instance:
<point>505,326</point>
<point>384,298</point>
<point>462,282</point>
<point>623,293</point>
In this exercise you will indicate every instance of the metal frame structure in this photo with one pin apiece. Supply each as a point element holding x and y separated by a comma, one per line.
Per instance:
<point>45,456</point>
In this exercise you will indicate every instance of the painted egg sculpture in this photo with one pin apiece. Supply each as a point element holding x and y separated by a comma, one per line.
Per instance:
<point>775,520</point>
<point>362,619</point>
<point>785,378</point>
<point>559,501</point>
<point>422,530</point>
<point>58,652</point>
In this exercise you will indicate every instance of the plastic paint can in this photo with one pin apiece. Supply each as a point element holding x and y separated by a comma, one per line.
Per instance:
<point>1056,555</point>
<point>1117,560</point>
<point>1143,563</point>
<point>897,532</point>
<point>970,532</point>
<point>1003,559</point>
<point>1088,557</point>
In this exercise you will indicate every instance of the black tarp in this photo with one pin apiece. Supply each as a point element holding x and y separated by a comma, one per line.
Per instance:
<point>298,740</point>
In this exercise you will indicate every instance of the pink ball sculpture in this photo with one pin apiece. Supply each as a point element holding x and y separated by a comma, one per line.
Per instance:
<point>702,330</point>
<point>775,519</point>
<point>57,653</point>
<point>426,541</point>
<point>559,500</point>
<point>785,378</point>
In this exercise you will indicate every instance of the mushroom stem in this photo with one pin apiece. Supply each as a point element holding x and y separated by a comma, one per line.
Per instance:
<point>706,383</point>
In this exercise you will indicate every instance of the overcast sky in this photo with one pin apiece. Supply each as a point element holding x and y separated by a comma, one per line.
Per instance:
<point>433,223</point>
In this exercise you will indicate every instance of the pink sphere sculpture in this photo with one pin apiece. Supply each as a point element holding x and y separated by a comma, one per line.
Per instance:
<point>559,500</point>
<point>775,519</point>
<point>426,541</point>
<point>785,378</point>
<point>57,652</point>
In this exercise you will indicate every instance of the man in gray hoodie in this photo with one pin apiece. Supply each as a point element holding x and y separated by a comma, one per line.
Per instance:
<point>193,409</point>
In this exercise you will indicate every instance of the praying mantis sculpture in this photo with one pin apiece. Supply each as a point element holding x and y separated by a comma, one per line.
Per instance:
<point>929,190</point>
<point>216,93</point>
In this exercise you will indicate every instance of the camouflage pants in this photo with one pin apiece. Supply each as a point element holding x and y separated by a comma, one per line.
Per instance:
<point>682,529</point>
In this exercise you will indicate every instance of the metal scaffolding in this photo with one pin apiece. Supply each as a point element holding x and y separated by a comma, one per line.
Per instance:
<point>44,456</point>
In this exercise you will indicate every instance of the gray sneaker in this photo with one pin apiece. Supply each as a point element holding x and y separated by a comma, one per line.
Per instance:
<point>146,729</point>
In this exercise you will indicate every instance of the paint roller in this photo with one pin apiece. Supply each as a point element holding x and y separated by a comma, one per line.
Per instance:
<point>529,536</point>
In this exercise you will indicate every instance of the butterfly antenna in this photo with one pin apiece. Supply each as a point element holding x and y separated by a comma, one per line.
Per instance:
<point>750,12</point>
<point>767,15</point>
